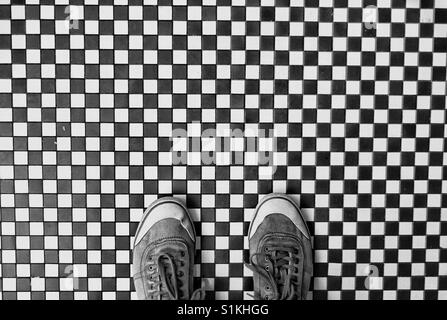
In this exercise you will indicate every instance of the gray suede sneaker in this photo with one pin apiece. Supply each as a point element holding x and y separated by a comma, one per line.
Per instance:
<point>280,250</point>
<point>163,253</point>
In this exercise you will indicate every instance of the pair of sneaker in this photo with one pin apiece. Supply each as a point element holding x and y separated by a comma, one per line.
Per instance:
<point>279,245</point>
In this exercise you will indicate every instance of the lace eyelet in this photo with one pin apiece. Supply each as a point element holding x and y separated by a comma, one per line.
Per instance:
<point>182,253</point>
<point>266,297</point>
<point>267,288</point>
<point>180,274</point>
<point>266,268</point>
<point>266,249</point>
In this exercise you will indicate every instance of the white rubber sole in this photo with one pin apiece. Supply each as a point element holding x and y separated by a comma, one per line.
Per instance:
<point>282,196</point>
<point>157,203</point>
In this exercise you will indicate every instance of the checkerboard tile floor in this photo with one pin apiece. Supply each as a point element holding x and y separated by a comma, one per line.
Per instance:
<point>354,92</point>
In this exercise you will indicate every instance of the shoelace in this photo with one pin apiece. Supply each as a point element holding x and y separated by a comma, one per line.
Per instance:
<point>280,271</point>
<point>165,282</point>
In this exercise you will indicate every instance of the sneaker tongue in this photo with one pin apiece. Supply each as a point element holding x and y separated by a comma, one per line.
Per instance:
<point>282,244</point>
<point>178,284</point>
<point>173,262</point>
<point>279,247</point>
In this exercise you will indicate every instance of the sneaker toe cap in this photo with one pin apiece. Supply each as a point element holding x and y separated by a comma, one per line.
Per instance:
<point>278,205</point>
<point>163,211</point>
